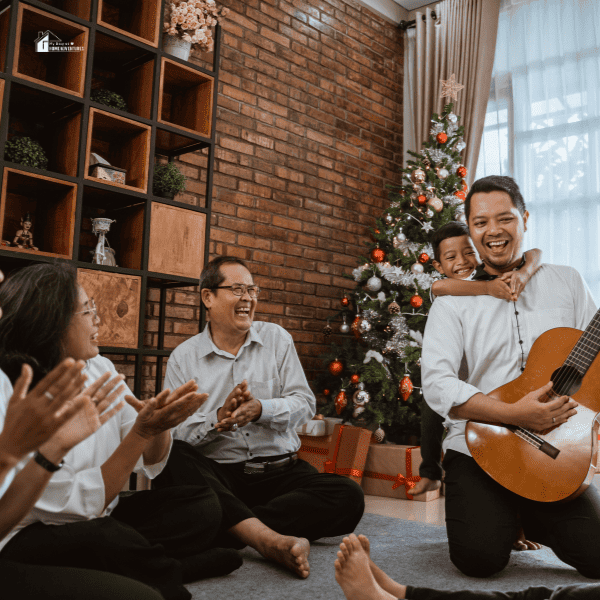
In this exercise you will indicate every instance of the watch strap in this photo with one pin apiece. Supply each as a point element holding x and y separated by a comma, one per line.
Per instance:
<point>41,460</point>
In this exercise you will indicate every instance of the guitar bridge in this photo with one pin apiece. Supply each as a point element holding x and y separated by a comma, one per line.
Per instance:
<point>536,441</point>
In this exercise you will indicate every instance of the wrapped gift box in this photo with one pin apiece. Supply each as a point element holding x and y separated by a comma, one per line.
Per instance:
<point>313,428</point>
<point>392,470</point>
<point>344,451</point>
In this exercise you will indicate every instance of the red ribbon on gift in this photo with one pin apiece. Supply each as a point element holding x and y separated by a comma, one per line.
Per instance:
<point>330,464</point>
<point>408,481</point>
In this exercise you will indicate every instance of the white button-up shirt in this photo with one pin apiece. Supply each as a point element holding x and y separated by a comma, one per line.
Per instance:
<point>269,362</point>
<point>76,491</point>
<point>487,331</point>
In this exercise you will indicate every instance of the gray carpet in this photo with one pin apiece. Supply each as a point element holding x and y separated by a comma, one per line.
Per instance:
<point>410,552</point>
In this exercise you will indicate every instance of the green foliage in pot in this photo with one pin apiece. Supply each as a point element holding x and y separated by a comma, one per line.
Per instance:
<point>25,151</point>
<point>108,98</point>
<point>168,179</point>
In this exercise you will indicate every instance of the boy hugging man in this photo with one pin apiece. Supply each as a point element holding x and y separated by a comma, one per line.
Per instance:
<point>455,257</point>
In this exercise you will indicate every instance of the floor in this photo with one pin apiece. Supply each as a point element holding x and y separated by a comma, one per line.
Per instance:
<point>431,512</point>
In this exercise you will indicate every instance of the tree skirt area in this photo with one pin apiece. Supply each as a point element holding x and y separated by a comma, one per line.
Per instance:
<point>410,552</point>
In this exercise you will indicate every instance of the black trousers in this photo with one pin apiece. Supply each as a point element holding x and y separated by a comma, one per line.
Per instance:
<point>561,592</point>
<point>482,521</point>
<point>297,500</point>
<point>432,432</point>
<point>146,538</point>
<point>33,582</point>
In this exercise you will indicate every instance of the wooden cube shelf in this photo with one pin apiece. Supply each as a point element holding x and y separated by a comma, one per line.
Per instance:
<point>126,234</point>
<point>123,143</point>
<point>176,241</point>
<point>138,19</point>
<point>185,98</point>
<point>117,297</point>
<point>1,98</point>
<point>4,27</point>
<point>51,204</point>
<point>53,121</point>
<point>63,71</point>
<point>125,69</point>
<point>79,8</point>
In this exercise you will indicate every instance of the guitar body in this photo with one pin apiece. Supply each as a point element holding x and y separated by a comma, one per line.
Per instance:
<point>523,468</point>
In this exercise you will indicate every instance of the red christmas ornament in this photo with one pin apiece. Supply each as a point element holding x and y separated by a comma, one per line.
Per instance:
<point>326,392</point>
<point>441,138</point>
<point>340,402</point>
<point>354,327</point>
<point>345,301</point>
<point>461,171</point>
<point>422,199</point>
<point>423,258</point>
<point>355,378</point>
<point>406,387</point>
<point>465,187</point>
<point>336,367</point>
<point>377,255</point>
<point>460,195</point>
<point>416,302</point>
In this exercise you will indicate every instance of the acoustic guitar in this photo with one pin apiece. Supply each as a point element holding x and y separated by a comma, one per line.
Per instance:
<point>559,463</point>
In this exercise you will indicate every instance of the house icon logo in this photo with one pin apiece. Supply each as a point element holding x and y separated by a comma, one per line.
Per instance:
<point>44,40</point>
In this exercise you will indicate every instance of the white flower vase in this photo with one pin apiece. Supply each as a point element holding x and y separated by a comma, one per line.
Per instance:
<point>176,46</point>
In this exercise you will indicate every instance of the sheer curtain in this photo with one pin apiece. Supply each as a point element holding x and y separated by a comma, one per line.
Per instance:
<point>542,125</point>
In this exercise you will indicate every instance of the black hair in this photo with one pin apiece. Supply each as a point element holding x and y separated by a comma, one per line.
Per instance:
<point>211,276</point>
<point>449,230</point>
<point>38,303</point>
<point>496,183</point>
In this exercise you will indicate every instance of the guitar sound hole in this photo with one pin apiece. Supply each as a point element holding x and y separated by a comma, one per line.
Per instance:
<point>566,380</point>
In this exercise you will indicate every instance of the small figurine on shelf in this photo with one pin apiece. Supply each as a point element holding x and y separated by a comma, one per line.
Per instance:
<point>104,254</point>
<point>24,237</point>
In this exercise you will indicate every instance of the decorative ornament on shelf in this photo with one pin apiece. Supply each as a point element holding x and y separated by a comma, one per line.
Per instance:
<point>417,268</point>
<point>336,367</point>
<point>103,254</point>
<point>423,257</point>
<point>341,401</point>
<point>441,138</point>
<point>406,387</point>
<point>377,255</point>
<point>344,301</point>
<point>327,330</point>
<point>461,171</point>
<point>374,284</point>
<point>344,327</point>
<point>393,308</point>
<point>355,378</point>
<point>436,204</point>
<point>418,176</point>
<point>416,301</point>
<point>24,236</point>
<point>379,434</point>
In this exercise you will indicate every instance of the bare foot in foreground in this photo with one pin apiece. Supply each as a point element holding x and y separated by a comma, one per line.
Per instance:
<point>382,578</point>
<point>291,552</point>
<point>521,543</point>
<point>426,485</point>
<point>353,573</point>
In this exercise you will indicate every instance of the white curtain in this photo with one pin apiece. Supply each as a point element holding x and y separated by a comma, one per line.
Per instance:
<point>542,125</point>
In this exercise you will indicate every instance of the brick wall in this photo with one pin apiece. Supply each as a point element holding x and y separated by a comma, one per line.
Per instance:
<point>309,132</point>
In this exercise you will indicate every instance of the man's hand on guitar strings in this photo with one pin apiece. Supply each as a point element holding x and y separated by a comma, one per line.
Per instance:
<point>534,411</point>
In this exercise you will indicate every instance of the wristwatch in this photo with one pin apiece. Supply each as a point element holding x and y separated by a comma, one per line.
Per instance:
<point>41,460</point>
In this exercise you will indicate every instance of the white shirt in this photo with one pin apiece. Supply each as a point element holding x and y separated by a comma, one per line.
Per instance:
<point>486,330</point>
<point>76,491</point>
<point>268,361</point>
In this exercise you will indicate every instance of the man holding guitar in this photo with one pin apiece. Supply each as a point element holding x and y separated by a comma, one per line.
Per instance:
<point>496,336</point>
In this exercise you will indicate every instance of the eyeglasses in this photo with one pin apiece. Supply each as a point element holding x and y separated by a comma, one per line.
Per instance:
<point>92,310</point>
<point>240,289</point>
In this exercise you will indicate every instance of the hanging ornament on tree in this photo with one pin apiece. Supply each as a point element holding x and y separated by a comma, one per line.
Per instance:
<point>326,392</point>
<point>436,204</point>
<point>418,176</point>
<point>394,308</point>
<point>364,326</point>
<point>379,434</point>
<point>443,173</point>
<point>389,219</point>
<point>460,146</point>
<point>344,327</point>
<point>429,213</point>
<point>460,195</point>
<point>345,302</point>
<point>354,327</point>
<point>327,330</point>
<point>355,378</point>
<point>452,118</point>
<point>406,387</point>
<point>441,138</point>
<point>416,301</point>
<point>361,396</point>
<point>336,367</point>
<point>424,257</point>
<point>461,171</point>
<point>377,255</point>
<point>417,268</point>
<point>374,284</point>
<point>422,199</point>
<point>341,401</point>
<point>358,410</point>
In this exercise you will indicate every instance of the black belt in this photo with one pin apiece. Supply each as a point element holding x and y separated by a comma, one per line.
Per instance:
<point>264,464</point>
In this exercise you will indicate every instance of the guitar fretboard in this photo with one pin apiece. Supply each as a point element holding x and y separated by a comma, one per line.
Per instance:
<point>587,347</point>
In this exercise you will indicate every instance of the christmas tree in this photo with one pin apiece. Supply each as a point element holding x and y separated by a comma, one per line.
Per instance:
<point>373,376</point>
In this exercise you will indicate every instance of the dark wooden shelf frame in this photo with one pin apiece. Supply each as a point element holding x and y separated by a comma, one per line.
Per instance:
<point>137,19</point>
<point>4,29</point>
<point>78,8</point>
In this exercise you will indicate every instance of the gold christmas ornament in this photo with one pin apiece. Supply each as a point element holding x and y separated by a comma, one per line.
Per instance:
<point>418,176</point>
<point>379,435</point>
<point>436,204</point>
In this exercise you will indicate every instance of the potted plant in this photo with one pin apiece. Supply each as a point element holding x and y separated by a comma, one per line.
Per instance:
<point>108,98</point>
<point>25,151</point>
<point>168,180</point>
<point>189,23</point>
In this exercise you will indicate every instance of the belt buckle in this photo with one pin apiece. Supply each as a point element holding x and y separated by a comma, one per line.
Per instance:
<point>254,468</point>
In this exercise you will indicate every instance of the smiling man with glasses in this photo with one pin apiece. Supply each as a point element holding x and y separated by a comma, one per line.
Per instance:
<point>243,440</point>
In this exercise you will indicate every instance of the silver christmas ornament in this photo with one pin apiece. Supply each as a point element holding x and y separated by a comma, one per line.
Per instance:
<point>374,284</point>
<point>460,146</point>
<point>452,118</point>
<point>344,327</point>
<point>361,397</point>
<point>360,385</point>
<point>443,173</point>
<point>364,326</point>
<point>429,213</point>
<point>417,268</point>
<point>401,237</point>
<point>389,219</point>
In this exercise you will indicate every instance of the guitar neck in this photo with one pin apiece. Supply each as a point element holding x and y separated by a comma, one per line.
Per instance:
<point>587,347</point>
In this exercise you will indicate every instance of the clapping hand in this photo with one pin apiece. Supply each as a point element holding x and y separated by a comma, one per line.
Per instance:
<point>243,408</point>
<point>168,409</point>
